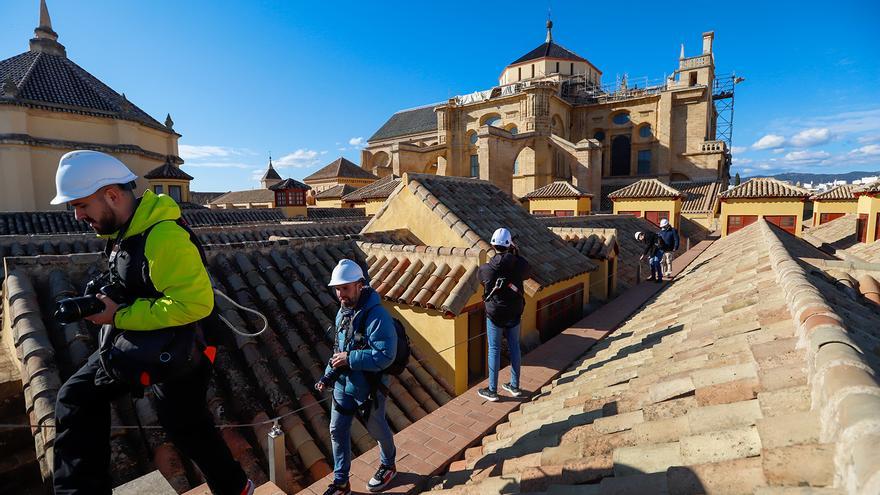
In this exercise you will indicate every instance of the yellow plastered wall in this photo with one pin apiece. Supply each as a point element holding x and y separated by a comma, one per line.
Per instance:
<point>833,206</point>
<point>673,206</point>
<point>762,207</point>
<point>372,206</point>
<point>580,206</point>
<point>166,183</point>
<point>294,211</point>
<point>707,220</point>
<point>599,281</point>
<point>330,203</point>
<point>405,210</point>
<point>869,205</point>
<point>529,335</point>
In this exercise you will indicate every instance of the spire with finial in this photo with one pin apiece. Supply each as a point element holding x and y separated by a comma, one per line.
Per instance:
<point>681,55</point>
<point>549,28</point>
<point>271,177</point>
<point>45,38</point>
<point>169,123</point>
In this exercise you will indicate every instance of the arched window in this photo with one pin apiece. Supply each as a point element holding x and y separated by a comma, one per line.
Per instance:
<point>621,118</point>
<point>513,130</point>
<point>493,121</point>
<point>620,155</point>
<point>599,136</point>
<point>472,138</point>
<point>645,131</point>
<point>516,166</point>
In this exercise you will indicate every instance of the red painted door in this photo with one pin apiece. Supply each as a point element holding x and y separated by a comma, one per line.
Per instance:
<point>862,227</point>
<point>655,216</point>
<point>785,222</point>
<point>736,222</point>
<point>827,217</point>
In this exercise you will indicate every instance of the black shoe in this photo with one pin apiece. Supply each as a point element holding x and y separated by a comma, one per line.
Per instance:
<point>514,391</point>
<point>488,394</point>
<point>335,489</point>
<point>659,281</point>
<point>380,480</point>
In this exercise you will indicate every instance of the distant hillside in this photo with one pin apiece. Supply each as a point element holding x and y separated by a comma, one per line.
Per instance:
<point>795,177</point>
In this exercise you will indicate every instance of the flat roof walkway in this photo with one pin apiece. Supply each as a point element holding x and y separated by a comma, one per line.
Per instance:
<point>428,446</point>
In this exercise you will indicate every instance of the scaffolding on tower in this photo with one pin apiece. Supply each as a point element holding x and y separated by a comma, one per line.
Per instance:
<point>723,95</point>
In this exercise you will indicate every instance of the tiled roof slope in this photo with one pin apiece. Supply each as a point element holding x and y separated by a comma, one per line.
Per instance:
<point>168,171</point>
<point>868,188</point>
<point>764,187</point>
<point>699,196</point>
<point>747,375</point>
<point>424,276</point>
<point>841,192</point>
<point>203,198</point>
<point>246,196</point>
<point>380,189</point>
<point>197,218</point>
<point>404,122</point>
<point>289,184</point>
<point>318,214</point>
<point>258,233</point>
<point>645,188</point>
<point>558,189</point>
<point>597,244</point>
<point>549,49</point>
<point>475,208</point>
<point>55,82</point>
<point>838,234</point>
<point>255,378</point>
<point>341,167</point>
<point>336,192</point>
<point>40,222</point>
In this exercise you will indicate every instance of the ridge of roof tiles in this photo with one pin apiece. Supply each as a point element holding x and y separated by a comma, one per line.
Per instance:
<point>699,196</point>
<point>336,192</point>
<point>559,189</point>
<point>474,209</point>
<point>764,187</point>
<point>841,192</point>
<point>839,237</point>
<point>334,214</point>
<point>753,379</point>
<point>255,379</point>
<point>594,243</point>
<point>871,187</point>
<point>646,188</point>
<point>380,189</point>
<point>439,278</point>
<point>245,196</point>
<point>340,167</point>
<point>167,171</point>
<point>289,184</point>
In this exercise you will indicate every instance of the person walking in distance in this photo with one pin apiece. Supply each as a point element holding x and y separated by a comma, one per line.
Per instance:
<point>668,245</point>
<point>365,345</point>
<point>652,253</point>
<point>502,279</point>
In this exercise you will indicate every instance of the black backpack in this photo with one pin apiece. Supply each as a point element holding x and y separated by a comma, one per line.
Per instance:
<point>401,357</point>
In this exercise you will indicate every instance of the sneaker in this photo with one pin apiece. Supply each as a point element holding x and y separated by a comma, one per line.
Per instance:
<point>380,480</point>
<point>334,489</point>
<point>651,279</point>
<point>514,391</point>
<point>249,488</point>
<point>488,394</point>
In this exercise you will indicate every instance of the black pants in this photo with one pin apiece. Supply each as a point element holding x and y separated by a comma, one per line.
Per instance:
<point>82,439</point>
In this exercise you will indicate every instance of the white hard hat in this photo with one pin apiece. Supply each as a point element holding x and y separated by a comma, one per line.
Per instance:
<point>345,272</point>
<point>501,237</point>
<point>664,222</point>
<point>82,172</point>
<point>638,234</point>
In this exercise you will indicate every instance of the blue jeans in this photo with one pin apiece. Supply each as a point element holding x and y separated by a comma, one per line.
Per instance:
<point>340,434</point>
<point>654,261</point>
<point>493,334</point>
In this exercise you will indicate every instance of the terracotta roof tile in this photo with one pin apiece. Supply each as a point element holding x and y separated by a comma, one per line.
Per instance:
<point>594,243</point>
<point>246,196</point>
<point>168,171</point>
<point>289,184</point>
<point>380,189</point>
<point>558,189</point>
<point>646,188</point>
<point>317,213</point>
<point>868,188</point>
<point>764,187</point>
<point>336,192</point>
<point>203,198</point>
<point>699,196</point>
<point>340,167</point>
<point>404,122</point>
<point>842,192</point>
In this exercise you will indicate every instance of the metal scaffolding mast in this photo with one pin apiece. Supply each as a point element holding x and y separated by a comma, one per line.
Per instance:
<point>722,94</point>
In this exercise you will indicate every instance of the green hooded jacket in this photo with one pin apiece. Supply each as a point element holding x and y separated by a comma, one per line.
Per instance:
<point>175,268</point>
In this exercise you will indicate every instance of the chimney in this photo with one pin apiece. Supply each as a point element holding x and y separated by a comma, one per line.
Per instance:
<point>707,42</point>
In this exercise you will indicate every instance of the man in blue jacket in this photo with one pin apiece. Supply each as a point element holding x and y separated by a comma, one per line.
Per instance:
<point>366,343</point>
<point>668,245</point>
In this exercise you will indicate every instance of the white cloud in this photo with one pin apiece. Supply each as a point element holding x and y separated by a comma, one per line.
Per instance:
<point>299,158</point>
<point>737,149</point>
<point>779,150</point>
<point>748,170</point>
<point>357,141</point>
<point>742,161</point>
<point>869,139</point>
<point>214,164</point>
<point>806,157</point>
<point>811,137</point>
<point>867,150</point>
<point>195,152</point>
<point>768,141</point>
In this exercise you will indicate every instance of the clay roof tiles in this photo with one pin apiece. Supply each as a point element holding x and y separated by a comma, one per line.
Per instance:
<point>868,188</point>
<point>380,189</point>
<point>168,171</point>
<point>646,188</point>
<point>475,208</point>
<point>558,189</point>
<point>246,196</point>
<point>595,243</point>
<point>404,122</point>
<point>841,192</point>
<point>341,167</point>
<point>729,381</point>
<point>699,196</point>
<point>332,214</point>
<point>289,184</point>
<point>336,192</point>
<point>764,187</point>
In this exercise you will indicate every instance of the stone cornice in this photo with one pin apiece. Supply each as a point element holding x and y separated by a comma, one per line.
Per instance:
<point>131,149</point>
<point>57,107</point>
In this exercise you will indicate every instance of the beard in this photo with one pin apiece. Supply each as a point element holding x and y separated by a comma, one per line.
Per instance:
<point>106,224</point>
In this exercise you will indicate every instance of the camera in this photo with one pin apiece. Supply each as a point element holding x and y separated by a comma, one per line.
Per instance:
<point>74,309</point>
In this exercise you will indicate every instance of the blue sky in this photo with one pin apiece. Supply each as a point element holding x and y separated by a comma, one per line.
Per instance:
<point>310,81</point>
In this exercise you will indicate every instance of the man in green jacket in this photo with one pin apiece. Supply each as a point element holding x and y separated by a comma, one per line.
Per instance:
<point>166,292</point>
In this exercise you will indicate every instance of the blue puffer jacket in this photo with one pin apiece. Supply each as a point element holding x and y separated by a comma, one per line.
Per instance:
<point>669,239</point>
<point>381,340</point>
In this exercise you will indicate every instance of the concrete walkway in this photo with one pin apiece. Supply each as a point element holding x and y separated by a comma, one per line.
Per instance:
<point>427,447</point>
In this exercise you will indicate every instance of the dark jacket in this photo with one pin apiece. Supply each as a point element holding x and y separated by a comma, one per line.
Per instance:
<point>652,244</point>
<point>668,239</point>
<point>377,353</point>
<point>505,306</point>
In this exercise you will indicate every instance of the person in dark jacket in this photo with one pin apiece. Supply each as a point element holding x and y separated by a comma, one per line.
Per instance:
<point>652,252</point>
<point>669,245</point>
<point>502,278</point>
<point>357,360</point>
<point>166,287</point>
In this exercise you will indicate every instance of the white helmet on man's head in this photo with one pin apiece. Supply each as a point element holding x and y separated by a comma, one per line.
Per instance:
<point>663,222</point>
<point>81,173</point>
<point>501,237</point>
<point>345,272</point>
